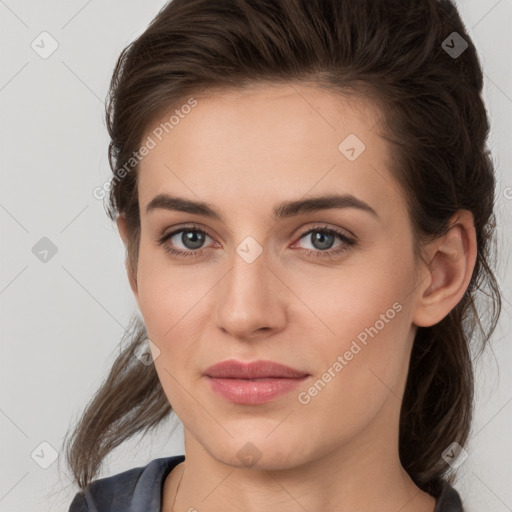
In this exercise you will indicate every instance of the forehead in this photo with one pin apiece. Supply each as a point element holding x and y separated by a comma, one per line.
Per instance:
<point>267,141</point>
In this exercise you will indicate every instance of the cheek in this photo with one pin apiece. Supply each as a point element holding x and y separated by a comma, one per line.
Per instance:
<point>360,367</point>
<point>364,318</point>
<point>169,295</point>
<point>170,300</point>
<point>363,291</point>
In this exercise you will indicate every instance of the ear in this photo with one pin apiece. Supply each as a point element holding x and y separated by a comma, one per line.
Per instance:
<point>452,260</point>
<point>122,226</point>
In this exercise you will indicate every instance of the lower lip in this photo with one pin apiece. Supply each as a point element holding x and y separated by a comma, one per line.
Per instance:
<point>253,392</point>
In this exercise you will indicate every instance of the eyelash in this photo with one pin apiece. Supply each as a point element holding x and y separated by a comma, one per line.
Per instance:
<point>348,242</point>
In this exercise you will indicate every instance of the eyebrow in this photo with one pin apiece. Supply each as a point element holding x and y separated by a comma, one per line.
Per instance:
<point>283,210</point>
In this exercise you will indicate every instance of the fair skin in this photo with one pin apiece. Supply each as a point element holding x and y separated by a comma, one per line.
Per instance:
<point>243,152</point>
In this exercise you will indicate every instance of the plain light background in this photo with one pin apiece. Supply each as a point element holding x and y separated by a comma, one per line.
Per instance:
<point>62,319</point>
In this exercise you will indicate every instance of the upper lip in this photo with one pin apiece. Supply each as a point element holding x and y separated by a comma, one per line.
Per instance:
<point>232,369</point>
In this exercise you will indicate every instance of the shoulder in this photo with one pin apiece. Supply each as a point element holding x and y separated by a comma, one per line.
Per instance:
<point>135,489</point>
<point>449,500</point>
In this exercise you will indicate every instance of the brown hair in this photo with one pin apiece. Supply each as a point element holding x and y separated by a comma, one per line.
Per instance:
<point>434,118</point>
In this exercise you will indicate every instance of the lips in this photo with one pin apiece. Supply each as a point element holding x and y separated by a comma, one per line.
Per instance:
<point>252,383</point>
<point>232,369</point>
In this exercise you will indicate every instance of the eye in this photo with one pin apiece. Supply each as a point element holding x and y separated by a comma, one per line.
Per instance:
<point>191,237</point>
<point>322,239</point>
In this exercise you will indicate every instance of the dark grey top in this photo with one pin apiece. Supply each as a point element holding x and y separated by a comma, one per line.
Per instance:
<point>140,490</point>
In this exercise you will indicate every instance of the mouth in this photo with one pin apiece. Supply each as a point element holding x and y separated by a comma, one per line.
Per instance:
<point>253,383</point>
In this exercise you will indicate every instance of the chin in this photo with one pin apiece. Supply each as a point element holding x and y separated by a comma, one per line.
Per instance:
<point>259,452</point>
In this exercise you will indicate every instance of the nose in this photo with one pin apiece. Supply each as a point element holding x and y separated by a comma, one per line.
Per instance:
<point>251,299</point>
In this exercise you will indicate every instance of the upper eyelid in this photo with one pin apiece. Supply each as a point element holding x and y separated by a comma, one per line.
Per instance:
<point>336,230</point>
<point>174,231</point>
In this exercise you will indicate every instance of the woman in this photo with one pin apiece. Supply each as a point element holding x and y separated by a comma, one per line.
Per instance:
<point>306,199</point>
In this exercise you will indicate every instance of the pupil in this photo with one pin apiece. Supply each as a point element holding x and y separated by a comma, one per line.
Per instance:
<point>321,238</point>
<point>192,237</point>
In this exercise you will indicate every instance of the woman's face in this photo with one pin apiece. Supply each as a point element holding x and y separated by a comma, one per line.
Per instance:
<point>274,282</point>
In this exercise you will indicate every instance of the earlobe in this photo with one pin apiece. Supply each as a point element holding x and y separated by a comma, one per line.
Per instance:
<point>450,270</point>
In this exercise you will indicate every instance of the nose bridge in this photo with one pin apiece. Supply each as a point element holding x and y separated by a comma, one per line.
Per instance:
<point>247,300</point>
<point>247,280</point>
